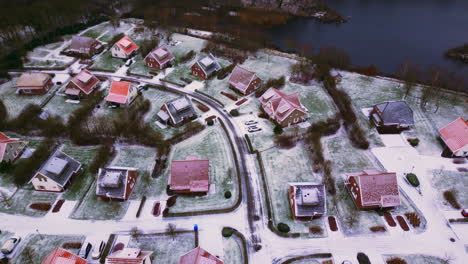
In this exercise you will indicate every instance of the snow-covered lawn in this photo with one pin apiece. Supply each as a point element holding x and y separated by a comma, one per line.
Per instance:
<point>443,180</point>
<point>284,166</point>
<point>166,249</point>
<point>15,103</point>
<point>233,250</point>
<point>105,31</point>
<point>268,66</point>
<point>139,67</point>
<point>142,158</point>
<point>210,144</point>
<point>106,62</point>
<point>81,183</point>
<point>185,44</point>
<point>58,106</point>
<point>23,197</point>
<point>43,245</point>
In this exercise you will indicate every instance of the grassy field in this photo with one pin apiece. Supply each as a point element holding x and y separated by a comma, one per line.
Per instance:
<point>450,180</point>
<point>279,174</point>
<point>233,250</point>
<point>210,144</point>
<point>23,197</point>
<point>15,103</point>
<point>166,249</point>
<point>43,245</point>
<point>106,62</point>
<point>80,185</point>
<point>142,158</point>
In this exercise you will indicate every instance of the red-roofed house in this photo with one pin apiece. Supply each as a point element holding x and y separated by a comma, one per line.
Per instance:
<point>373,189</point>
<point>129,256</point>
<point>32,83</point>
<point>244,81</point>
<point>190,176</point>
<point>62,256</point>
<point>199,256</point>
<point>81,84</point>
<point>159,58</point>
<point>455,136</point>
<point>284,109</point>
<point>10,149</point>
<point>121,93</point>
<point>124,48</point>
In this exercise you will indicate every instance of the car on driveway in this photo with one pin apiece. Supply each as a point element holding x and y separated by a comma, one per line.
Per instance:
<point>254,129</point>
<point>129,62</point>
<point>250,122</point>
<point>84,251</point>
<point>10,244</point>
<point>464,212</point>
<point>98,249</point>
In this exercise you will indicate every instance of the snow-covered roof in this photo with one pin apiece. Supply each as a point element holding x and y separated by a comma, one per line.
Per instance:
<point>59,168</point>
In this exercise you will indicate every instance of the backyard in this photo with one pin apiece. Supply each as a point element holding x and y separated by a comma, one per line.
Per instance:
<point>233,250</point>
<point>210,144</point>
<point>443,180</point>
<point>279,175</point>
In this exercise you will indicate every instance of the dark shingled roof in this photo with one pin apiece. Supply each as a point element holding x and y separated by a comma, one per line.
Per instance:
<point>65,165</point>
<point>209,64</point>
<point>180,108</point>
<point>397,112</point>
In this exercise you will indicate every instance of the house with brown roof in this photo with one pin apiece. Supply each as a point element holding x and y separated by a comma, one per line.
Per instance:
<point>129,256</point>
<point>455,136</point>
<point>116,183</point>
<point>244,81</point>
<point>62,256</point>
<point>124,48</point>
<point>56,173</point>
<point>84,46</point>
<point>205,67</point>
<point>121,94</point>
<point>11,148</point>
<point>190,176</point>
<point>371,189</point>
<point>283,109</point>
<point>199,256</point>
<point>81,84</point>
<point>159,58</point>
<point>392,116</point>
<point>33,83</point>
<point>307,200</point>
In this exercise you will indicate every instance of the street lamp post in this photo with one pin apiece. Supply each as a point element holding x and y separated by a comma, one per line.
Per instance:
<point>37,230</point>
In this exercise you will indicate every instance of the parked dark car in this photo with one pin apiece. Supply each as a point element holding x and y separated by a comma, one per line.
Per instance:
<point>363,258</point>
<point>84,252</point>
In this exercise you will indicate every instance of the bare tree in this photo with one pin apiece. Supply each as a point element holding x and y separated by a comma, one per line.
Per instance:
<point>409,73</point>
<point>447,259</point>
<point>135,233</point>
<point>171,230</point>
<point>352,218</point>
<point>5,198</point>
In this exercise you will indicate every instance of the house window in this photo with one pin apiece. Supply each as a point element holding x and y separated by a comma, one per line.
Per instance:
<point>41,187</point>
<point>26,91</point>
<point>150,65</point>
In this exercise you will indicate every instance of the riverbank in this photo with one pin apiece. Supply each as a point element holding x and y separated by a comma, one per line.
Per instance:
<point>459,53</point>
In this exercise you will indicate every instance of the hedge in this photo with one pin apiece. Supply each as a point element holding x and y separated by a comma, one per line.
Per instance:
<point>142,203</point>
<point>234,112</point>
<point>249,143</point>
<point>227,232</point>
<point>282,227</point>
<point>413,179</point>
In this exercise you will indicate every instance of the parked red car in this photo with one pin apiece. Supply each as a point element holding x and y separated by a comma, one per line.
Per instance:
<point>464,212</point>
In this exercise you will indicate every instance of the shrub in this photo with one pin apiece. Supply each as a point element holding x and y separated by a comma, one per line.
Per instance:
<point>189,55</point>
<point>278,130</point>
<point>115,39</point>
<point>413,179</point>
<point>285,141</point>
<point>396,260</point>
<point>413,218</point>
<point>104,153</point>
<point>377,229</point>
<point>234,112</point>
<point>451,198</point>
<point>171,201</point>
<point>227,195</point>
<point>203,108</point>
<point>25,168</point>
<point>210,122</point>
<point>165,212</point>
<point>316,230</point>
<point>5,166</point>
<point>41,206</point>
<point>363,258</point>
<point>413,141</point>
<point>71,245</point>
<point>227,232</point>
<point>224,72</point>
<point>282,227</point>
<point>230,96</point>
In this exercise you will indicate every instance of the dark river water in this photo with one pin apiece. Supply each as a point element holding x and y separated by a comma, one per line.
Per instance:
<point>386,32</point>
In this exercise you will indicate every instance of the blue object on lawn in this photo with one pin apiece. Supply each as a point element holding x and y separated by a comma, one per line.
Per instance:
<point>195,227</point>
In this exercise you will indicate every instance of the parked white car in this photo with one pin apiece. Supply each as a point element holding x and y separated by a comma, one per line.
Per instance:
<point>250,122</point>
<point>10,244</point>
<point>98,249</point>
